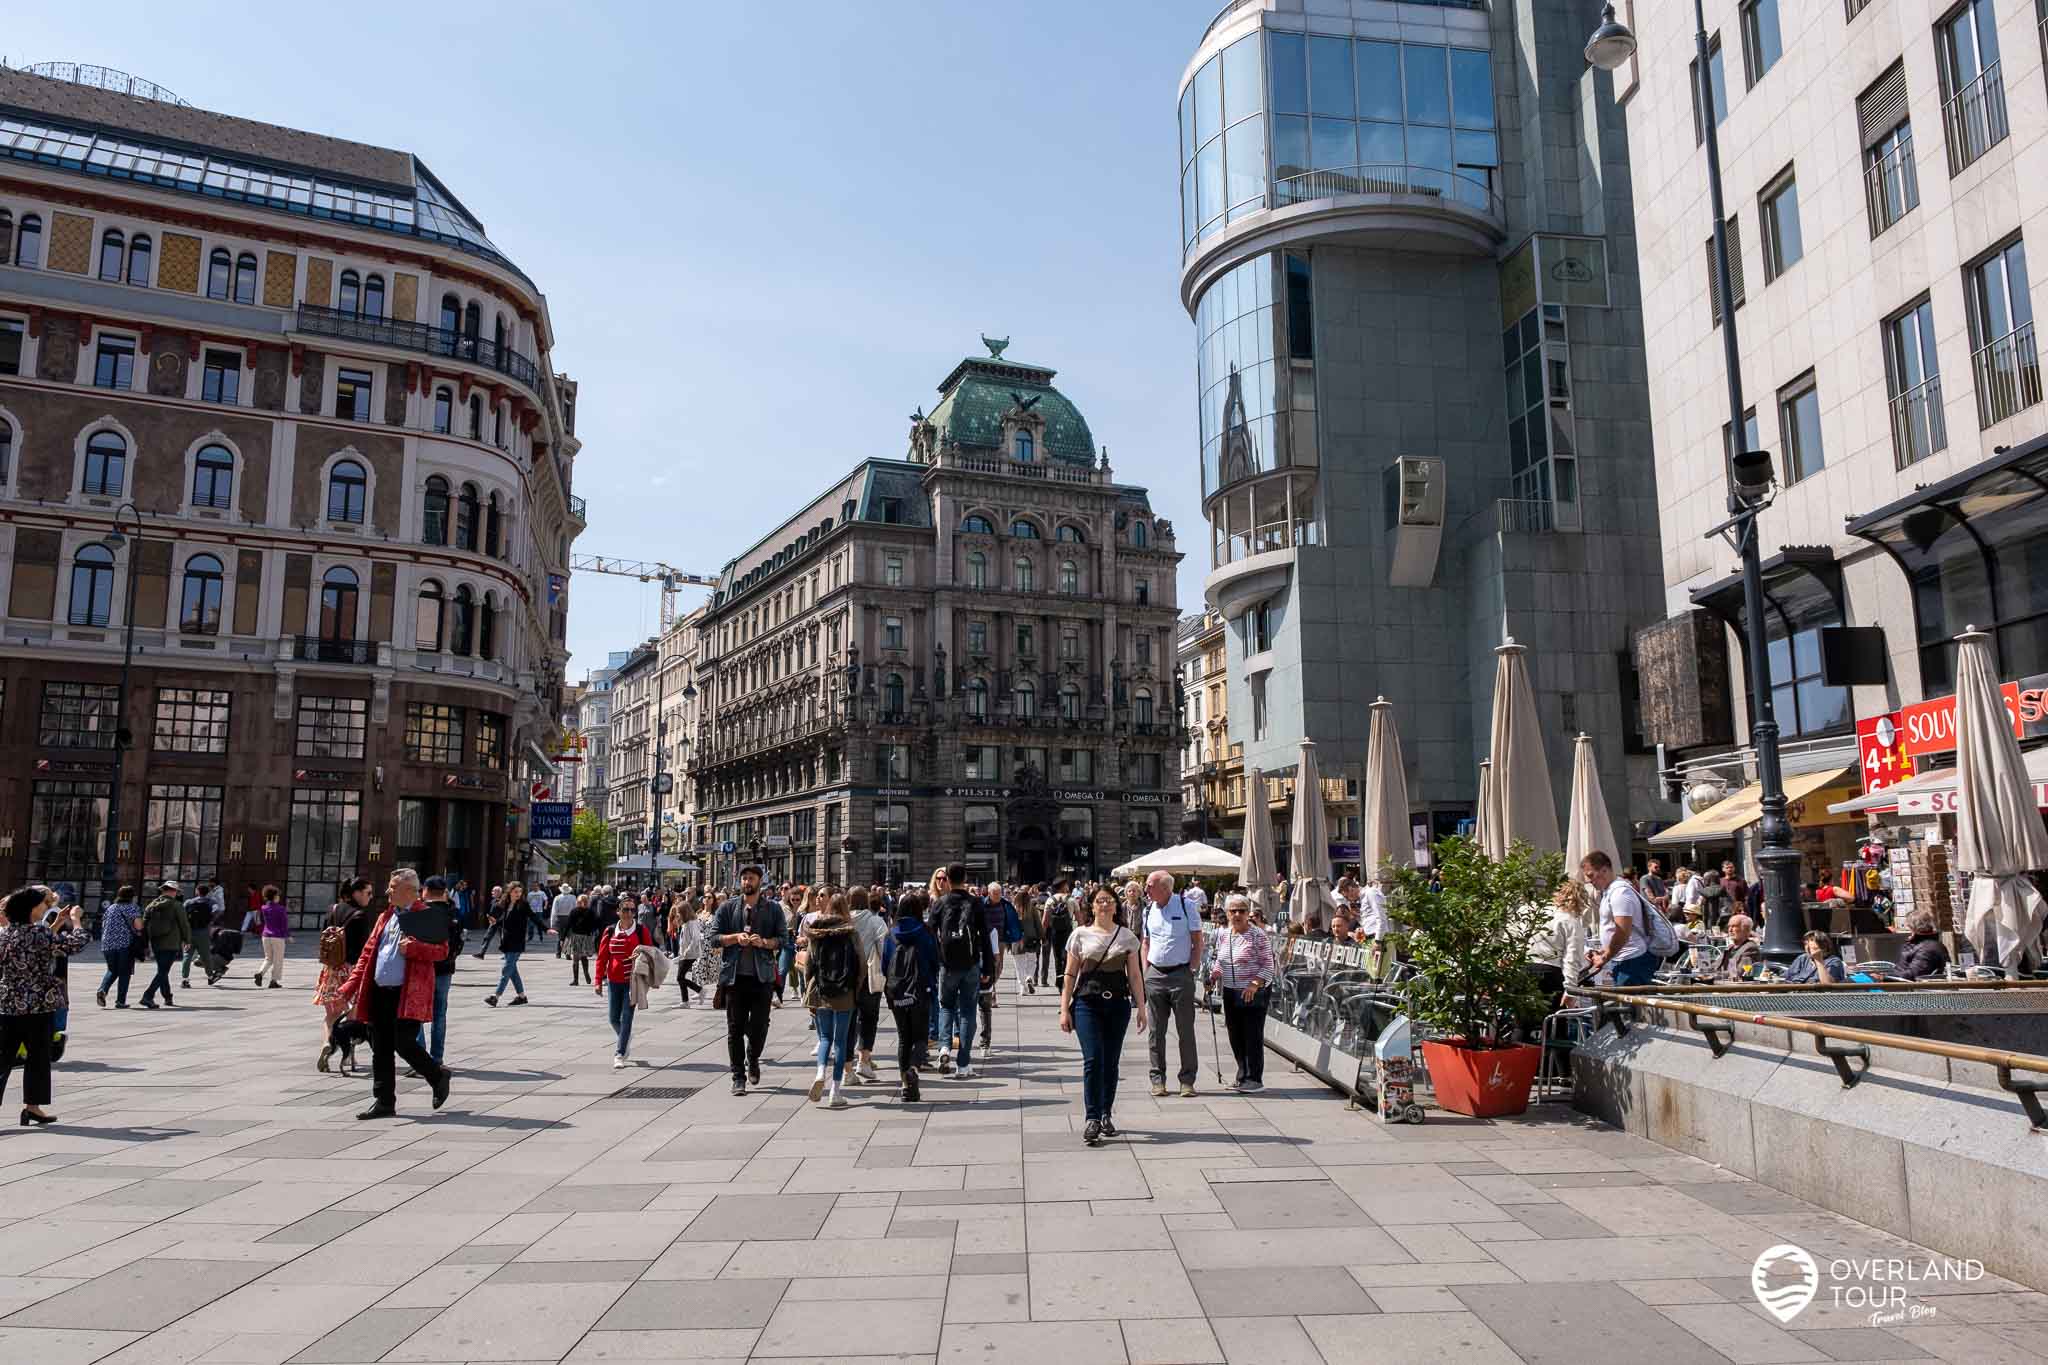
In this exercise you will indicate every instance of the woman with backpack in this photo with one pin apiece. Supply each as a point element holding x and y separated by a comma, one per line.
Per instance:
<point>910,974</point>
<point>1103,996</point>
<point>872,930</point>
<point>615,948</point>
<point>1052,941</point>
<point>582,940</point>
<point>834,969</point>
<point>342,936</point>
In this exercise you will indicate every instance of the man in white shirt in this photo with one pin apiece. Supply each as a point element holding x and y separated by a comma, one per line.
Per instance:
<point>1172,935</point>
<point>564,906</point>
<point>1623,954</point>
<point>1197,899</point>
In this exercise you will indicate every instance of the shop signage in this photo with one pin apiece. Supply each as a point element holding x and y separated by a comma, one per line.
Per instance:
<point>463,781</point>
<point>980,793</point>
<point>1077,793</point>
<point>1326,953</point>
<point>1148,798</point>
<point>552,820</point>
<point>320,775</point>
<point>1344,853</point>
<point>1929,727</point>
<point>1881,752</point>
<point>1942,801</point>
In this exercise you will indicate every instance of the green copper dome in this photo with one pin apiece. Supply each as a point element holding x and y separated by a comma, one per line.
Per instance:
<point>982,390</point>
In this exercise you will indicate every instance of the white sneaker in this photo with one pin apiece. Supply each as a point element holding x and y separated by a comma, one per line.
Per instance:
<point>965,1073</point>
<point>868,1074</point>
<point>618,1063</point>
<point>837,1101</point>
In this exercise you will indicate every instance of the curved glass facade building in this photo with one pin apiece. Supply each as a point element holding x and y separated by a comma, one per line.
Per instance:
<point>1407,252</point>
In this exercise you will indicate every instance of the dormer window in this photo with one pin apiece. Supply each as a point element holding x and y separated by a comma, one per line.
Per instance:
<point>1021,447</point>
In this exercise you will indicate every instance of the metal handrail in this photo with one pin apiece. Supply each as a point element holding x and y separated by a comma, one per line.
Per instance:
<point>1532,516</point>
<point>1891,185</point>
<point>1911,443</point>
<point>1432,182</point>
<point>2008,374</point>
<point>420,338</point>
<point>2003,1064</point>
<point>1974,118</point>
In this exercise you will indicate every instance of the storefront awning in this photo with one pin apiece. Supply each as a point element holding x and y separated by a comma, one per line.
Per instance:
<point>1720,821</point>
<point>1933,793</point>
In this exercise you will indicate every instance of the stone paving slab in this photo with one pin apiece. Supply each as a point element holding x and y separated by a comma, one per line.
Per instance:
<point>211,1200</point>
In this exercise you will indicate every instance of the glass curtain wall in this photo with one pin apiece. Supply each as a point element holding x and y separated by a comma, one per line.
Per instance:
<point>1255,374</point>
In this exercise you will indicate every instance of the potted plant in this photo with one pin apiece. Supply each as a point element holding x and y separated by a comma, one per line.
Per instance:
<point>1468,939</point>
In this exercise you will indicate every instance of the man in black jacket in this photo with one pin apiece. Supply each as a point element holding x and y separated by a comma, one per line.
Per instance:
<point>748,930</point>
<point>966,964</point>
<point>199,919</point>
<point>437,898</point>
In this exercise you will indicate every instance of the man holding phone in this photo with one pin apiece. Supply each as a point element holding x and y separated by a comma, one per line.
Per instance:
<point>749,930</point>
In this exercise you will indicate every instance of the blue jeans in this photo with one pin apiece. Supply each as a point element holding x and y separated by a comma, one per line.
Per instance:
<point>437,1034</point>
<point>832,1030</point>
<point>957,997</point>
<point>1100,1025</point>
<point>619,996</point>
<point>1635,971</point>
<point>510,972</point>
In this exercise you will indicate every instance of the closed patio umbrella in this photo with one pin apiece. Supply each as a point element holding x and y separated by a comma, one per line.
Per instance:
<point>1523,807</point>
<point>1999,834</point>
<point>1482,825</point>
<point>1588,826</point>
<point>1310,843</point>
<point>1387,843</point>
<point>1255,866</point>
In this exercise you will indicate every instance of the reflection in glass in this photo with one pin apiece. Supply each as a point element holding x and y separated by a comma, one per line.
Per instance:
<point>1287,60</point>
<point>1429,96</point>
<point>1329,77</point>
<point>1208,88</point>
<point>1243,88</point>
<point>1472,87</point>
<point>1379,81</point>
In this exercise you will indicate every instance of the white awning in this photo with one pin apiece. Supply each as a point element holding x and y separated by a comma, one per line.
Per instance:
<point>1934,793</point>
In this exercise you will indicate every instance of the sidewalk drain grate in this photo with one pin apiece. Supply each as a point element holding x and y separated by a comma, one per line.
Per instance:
<point>654,1092</point>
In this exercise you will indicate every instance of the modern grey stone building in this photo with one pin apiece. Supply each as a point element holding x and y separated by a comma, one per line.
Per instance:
<point>1411,261</point>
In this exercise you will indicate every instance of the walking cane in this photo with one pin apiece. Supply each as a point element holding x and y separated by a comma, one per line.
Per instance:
<point>1215,1055</point>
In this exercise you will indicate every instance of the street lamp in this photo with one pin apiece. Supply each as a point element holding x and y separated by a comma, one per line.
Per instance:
<point>1750,491</point>
<point>114,540</point>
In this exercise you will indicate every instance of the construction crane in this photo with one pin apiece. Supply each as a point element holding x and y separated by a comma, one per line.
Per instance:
<point>647,571</point>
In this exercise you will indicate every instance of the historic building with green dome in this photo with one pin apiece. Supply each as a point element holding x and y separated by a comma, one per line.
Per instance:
<point>965,654</point>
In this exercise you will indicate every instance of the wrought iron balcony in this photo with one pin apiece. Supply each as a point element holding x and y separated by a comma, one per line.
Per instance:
<point>2008,375</point>
<point>318,649</point>
<point>1918,427</point>
<point>1458,187</point>
<point>1891,187</point>
<point>578,508</point>
<point>1974,118</point>
<point>420,339</point>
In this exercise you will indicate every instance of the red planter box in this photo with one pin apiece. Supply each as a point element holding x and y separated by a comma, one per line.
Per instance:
<point>1485,1083</point>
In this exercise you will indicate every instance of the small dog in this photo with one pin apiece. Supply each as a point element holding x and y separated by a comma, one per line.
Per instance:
<point>347,1032</point>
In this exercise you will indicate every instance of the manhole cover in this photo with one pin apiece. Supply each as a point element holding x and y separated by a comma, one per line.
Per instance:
<point>654,1092</point>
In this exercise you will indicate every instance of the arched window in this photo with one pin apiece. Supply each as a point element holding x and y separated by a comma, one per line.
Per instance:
<point>213,478</point>
<point>476,417</point>
<point>465,518</point>
<point>1022,577</point>
<point>1070,535</point>
<point>493,526</point>
<point>1141,534</point>
<point>373,297</point>
<point>451,316</point>
<point>138,260</point>
<point>338,592</point>
<point>1141,707</point>
<point>977,697</point>
<point>113,248</point>
<point>28,242</point>
<point>977,526</point>
<point>498,426</point>
<point>465,621</point>
<point>444,409</point>
<point>350,299</point>
<point>977,570</point>
<point>500,336</point>
<point>347,489</point>
<point>434,517</point>
<point>220,273</point>
<point>92,586</point>
<point>892,694</point>
<point>245,278</point>
<point>106,465</point>
<point>1025,700</point>
<point>1070,702</point>
<point>1070,576</point>
<point>1021,447</point>
<point>1023,530</point>
<point>199,602</point>
<point>472,324</point>
<point>487,628</point>
<point>426,617</point>
<point>6,448</point>
<point>6,235</point>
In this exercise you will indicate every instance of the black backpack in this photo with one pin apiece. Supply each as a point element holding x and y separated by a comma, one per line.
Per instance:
<point>835,963</point>
<point>902,987</point>
<point>957,948</point>
<point>1061,922</point>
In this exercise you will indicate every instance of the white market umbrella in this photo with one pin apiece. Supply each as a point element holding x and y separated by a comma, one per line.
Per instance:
<point>1999,834</point>
<point>1183,860</point>
<point>1588,826</point>
<point>1255,867</point>
<point>1483,826</point>
<point>1523,806</point>
<point>1310,842</point>
<point>1387,841</point>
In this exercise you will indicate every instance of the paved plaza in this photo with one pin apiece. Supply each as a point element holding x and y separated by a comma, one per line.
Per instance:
<point>211,1198</point>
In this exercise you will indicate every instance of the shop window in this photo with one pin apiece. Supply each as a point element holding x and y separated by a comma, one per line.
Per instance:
<point>77,716</point>
<point>433,733</point>
<point>181,839</point>
<point>332,727</point>
<point>322,848</point>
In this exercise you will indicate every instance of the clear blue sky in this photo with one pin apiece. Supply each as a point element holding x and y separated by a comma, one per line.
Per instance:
<point>766,231</point>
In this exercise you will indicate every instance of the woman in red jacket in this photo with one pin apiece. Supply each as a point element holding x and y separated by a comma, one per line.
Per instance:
<point>615,949</point>
<point>393,980</point>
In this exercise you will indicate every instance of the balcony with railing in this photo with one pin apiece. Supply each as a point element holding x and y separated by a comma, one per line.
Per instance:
<point>579,509</point>
<point>2008,374</point>
<point>1891,186</point>
<point>1223,15</point>
<point>1918,427</point>
<point>1974,118</point>
<point>420,339</point>
<point>1534,516</point>
<point>321,650</point>
<point>1462,188</point>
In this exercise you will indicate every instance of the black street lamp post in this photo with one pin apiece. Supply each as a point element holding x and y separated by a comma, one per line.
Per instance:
<point>1749,492</point>
<point>122,734</point>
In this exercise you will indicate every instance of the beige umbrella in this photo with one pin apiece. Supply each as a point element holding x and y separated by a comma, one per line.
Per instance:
<point>1483,826</point>
<point>1588,826</point>
<point>1255,867</point>
<point>1999,834</point>
<point>1387,842</point>
<point>1523,806</point>
<point>1309,843</point>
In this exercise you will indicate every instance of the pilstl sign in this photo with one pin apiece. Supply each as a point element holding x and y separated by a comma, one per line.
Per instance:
<point>1929,727</point>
